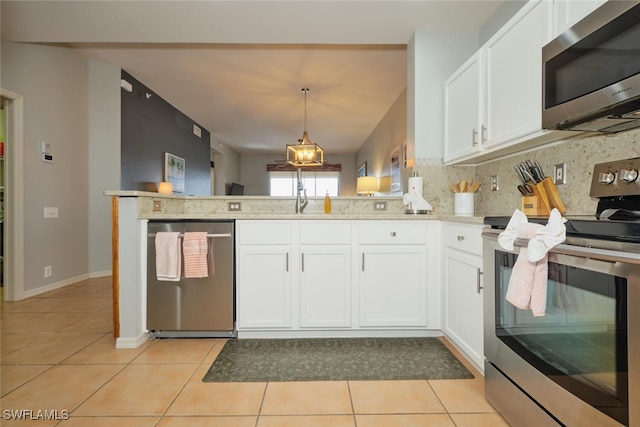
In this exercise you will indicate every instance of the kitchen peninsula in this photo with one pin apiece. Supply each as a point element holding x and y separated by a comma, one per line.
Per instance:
<point>366,269</point>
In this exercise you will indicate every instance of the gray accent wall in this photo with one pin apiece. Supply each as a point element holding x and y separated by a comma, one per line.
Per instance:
<point>151,126</point>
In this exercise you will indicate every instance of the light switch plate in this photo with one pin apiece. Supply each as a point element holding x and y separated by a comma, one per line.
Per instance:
<point>51,212</point>
<point>560,174</point>
<point>234,206</point>
<point>157,206</point>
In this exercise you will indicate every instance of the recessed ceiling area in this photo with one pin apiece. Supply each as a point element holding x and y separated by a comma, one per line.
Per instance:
<point>238,67</point>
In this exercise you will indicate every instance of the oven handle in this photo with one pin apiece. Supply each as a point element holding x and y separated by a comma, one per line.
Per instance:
<point>580,251</point>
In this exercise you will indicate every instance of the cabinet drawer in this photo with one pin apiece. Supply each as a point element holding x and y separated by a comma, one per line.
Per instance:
<point>263,232</point>
<point>325,233</point>
<point>392,232</point>
<point>463,237</point>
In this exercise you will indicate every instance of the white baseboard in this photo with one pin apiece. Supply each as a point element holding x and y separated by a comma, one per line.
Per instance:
<point>131,342</point>
<point>66,282</point>
<point>98,274</point>
<point>53,286</point>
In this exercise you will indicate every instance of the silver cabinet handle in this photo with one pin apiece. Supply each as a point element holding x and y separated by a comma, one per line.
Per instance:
<point>483,133</point>
<point>460,238</point>
<point>479,286</point>
<point>303,262</point>
<point>287,261</point>
<point>474,137</point>
<point>362,261</point>
<point>393,234</point>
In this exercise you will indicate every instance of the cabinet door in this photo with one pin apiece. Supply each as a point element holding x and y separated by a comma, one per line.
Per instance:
<point>566,13</point>
<point>463,303</point>
<point>263,286</point>
<point>462,115</point>
<point>393,286</point>
<point>325,286</point>
<point>514,77</point>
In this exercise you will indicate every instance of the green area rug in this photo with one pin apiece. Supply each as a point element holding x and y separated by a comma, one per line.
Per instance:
<point>335,359</point>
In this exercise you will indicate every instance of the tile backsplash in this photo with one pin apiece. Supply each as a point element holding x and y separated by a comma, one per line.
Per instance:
<point>580,154</point>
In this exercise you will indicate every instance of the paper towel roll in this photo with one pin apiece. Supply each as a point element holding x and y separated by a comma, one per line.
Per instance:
<point>415,185</point>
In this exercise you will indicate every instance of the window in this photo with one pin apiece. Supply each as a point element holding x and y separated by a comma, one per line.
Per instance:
<point>283,183</point>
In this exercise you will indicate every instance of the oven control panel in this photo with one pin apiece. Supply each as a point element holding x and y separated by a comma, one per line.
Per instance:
<point>618,178</point>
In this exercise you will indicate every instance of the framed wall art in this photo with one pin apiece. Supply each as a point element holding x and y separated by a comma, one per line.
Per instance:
<point>174,172</point>
<point>396,171</point>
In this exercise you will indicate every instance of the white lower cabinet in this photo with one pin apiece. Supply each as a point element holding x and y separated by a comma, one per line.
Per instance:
<point>393,286</point>
<point>307,276</point>
<point>264,286</point>
<point>463,282</point>
<point>325,286</point>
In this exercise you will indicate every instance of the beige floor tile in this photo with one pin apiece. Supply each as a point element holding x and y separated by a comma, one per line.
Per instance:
<point>46,323</point>
<point>405,420</point>
<point>11,319</point>
<point>27,422</point>
<point>13,376</point>
<point>200,398</point>
<point>215,351</point>
<point>462,395</point>
<point>12,342</point>
<point>104,351</point>
<point>50,349</point>
<point>61,387</point>
<point>307,398</point>
<point>75,421</point>
<point>176,351</point>
<point>207,422</point>
<point>479,420</point>
<point>138,390</point>
<point>94,323</point>
<point>394,397</point>
<point>307,421</point>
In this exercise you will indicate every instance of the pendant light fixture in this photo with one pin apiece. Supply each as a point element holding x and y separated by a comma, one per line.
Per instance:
<point>305,152</point>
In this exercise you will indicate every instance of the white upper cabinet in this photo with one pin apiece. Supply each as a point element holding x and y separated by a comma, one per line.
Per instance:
<point>505,109</point>
<point>462,110</point>
<point>566,13</point>
<point>514,77</point>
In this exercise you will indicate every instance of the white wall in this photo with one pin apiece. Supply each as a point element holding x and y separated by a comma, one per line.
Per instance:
<point>227,165</point>
<point>54,83</point>
<point>432,56</point>
<point>104,160</point>
<point>390,132</point>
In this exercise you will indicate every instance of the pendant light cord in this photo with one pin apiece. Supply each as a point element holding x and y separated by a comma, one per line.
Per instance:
<point>305,90</point>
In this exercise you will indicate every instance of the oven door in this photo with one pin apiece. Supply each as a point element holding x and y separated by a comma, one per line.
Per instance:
<point>579,361</point>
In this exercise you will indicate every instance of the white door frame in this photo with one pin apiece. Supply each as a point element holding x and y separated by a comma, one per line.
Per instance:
<point>14,198</point>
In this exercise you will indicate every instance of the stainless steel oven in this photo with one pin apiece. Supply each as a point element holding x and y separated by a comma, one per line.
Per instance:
<point>579,364</point>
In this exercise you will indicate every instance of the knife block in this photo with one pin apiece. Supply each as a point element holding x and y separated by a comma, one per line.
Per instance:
<point>545,197</point>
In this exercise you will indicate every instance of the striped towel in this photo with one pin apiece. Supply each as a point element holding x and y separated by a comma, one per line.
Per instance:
<point>194,251</point>
<point>168,260</point>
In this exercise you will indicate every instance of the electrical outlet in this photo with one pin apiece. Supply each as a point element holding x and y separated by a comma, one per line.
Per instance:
<point>51,212</point>
<point>494,183</point>
<point>560,174</point>
<point>380,206</point>
<point>157,206</point>
<point>47,271</point>
<point>234,206</point>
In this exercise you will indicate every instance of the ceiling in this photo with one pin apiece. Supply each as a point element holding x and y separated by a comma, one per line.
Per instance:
<point>237,67</point>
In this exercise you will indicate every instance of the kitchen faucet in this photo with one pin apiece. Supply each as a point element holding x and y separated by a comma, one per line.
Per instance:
<point>301,198</point>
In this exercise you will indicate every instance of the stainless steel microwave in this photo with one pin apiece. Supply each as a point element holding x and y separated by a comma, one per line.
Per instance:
<point>591,72</point>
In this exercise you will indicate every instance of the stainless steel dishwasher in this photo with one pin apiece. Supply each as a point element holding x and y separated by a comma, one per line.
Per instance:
<point>202,307</point>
